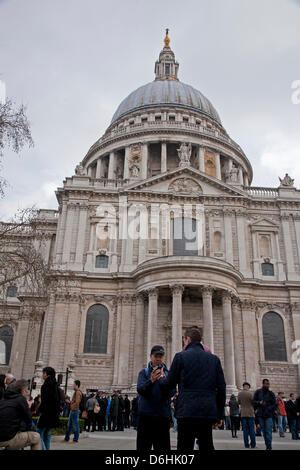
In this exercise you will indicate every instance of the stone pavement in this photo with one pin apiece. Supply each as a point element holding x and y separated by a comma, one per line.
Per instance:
<point>127,441</point>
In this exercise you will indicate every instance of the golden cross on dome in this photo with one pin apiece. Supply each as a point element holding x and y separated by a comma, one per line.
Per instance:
<point>167,39</point>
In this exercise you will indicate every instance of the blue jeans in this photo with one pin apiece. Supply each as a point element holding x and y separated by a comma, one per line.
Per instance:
<point>248,426</point>
<point>293,429</point>
<point>266,425</point>
<point>174,420</point>
<point>45,434</point>
<point>281,424</point>
<point>73,423</point>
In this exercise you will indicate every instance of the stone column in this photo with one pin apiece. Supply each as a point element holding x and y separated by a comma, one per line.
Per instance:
<point>208,332</point>
<point>82,226</point>
<point>152,319</point>
<point>237,333</point>
<point>163,157</point>
<point>218,166</point>
<point>177,291</point>
<point>243,249</point>
<point>289,256</point>
<point>123,375</point>
<point>201,158</point>
<point>126,163</point>
<point>118,313</point>
<point>99,167</point>
<point>228,235</point>
<point>251,347</point>
<point>228,343</point>
<point>139,336</point>
<point>68,233</point>
<point>240,176</point>
<point>144,161</point>
<point>111,166</point>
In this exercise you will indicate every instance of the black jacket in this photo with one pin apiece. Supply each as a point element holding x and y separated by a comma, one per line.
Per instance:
<point>291,409</point>
<point>201,383</point>
<point>153,400</point>
<point>50,404</point>
<point>268,397</point>
<point>15,415</point>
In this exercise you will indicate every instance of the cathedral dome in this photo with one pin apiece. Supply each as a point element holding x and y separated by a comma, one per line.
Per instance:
<point>166,92</point>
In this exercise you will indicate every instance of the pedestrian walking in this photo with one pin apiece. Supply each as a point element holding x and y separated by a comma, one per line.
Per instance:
<point>90,406</point>
<point>245,400</point>
<point>73,421</point>
<point>16,420</point>
<point>281,414</point>
<point>134,411</point>
<point>127,406</point>
<point>264,401</point>
<point>227,416</point>
<point>291,411</point>
<point>234,410</point>
<point>114,410</point>
<point>153,428</point>
<point>49,408</point>
<point>202,392</point>
<point>102,413</point>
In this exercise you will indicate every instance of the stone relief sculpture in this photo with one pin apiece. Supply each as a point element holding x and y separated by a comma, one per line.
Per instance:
<point>232,175</point>
<point>134,171</point>
<point>184,153</point>
<point>287,181</point>
<point>185,186</point>
<point>80,170</point>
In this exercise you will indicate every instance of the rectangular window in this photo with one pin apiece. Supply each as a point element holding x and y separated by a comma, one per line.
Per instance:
<point>267,269</point>
<point>157,118</point>
<point>167,69</point>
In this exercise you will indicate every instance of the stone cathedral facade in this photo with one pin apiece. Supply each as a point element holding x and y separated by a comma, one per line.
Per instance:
<point>164,161</point>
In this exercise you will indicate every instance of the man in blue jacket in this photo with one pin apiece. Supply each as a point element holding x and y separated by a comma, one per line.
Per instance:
<point>154,405</point>
<point>202,392</point>
<point>264,402</point>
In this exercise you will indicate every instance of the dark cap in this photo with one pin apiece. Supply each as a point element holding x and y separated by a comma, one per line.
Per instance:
<point>157,350</point>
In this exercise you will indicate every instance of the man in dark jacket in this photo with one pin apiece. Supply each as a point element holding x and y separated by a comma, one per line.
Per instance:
<point>134,411</point>
<point>121,411</point>
<point>154,405</point>
<point>264,402</point>
<point>127,412</point>
<point>114,410</point>
<point>49,408</point>
<point>202,392</point>
<point>291,411</point>
<point>102,413</point>
<point>16,420</point>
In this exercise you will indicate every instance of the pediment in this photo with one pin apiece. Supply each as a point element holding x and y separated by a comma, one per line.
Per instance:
<point>264,223</point>
<point>187,182</point>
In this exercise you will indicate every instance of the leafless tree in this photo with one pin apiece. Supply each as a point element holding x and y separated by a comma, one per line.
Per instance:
<point>14,131</point>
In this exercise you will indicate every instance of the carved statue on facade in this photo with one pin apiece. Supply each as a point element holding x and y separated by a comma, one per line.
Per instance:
<point>232,175</point>
<point>80,170</point>
<point>287,181</point>
<point>184,153</point>
<point>185,186</point>
<point>134,171</point>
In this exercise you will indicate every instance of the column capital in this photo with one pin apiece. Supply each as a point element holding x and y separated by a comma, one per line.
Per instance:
<point>248,304</point>
<point>177,289</point>
<point>207,291</point>
<point>152,292</point>
<point>227,296</point>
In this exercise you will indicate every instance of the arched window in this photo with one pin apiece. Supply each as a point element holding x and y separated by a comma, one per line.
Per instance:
<point>274,339</point>
<point>185,237</point>
<point>96,330</point>
<point>6,339</point>
<point>101,261</point>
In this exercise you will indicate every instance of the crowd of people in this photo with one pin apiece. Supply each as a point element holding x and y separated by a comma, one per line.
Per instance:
<point>190,397</point>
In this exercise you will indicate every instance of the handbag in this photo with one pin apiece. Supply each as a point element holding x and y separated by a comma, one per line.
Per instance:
<point>84,415</point>
<point>96,408</point>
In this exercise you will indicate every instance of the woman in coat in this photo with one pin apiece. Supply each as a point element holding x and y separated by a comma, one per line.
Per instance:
<point>49,408</point>
<point>234,414</point>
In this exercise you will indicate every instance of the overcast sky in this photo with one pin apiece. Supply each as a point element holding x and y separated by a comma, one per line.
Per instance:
<point>73,61</point>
